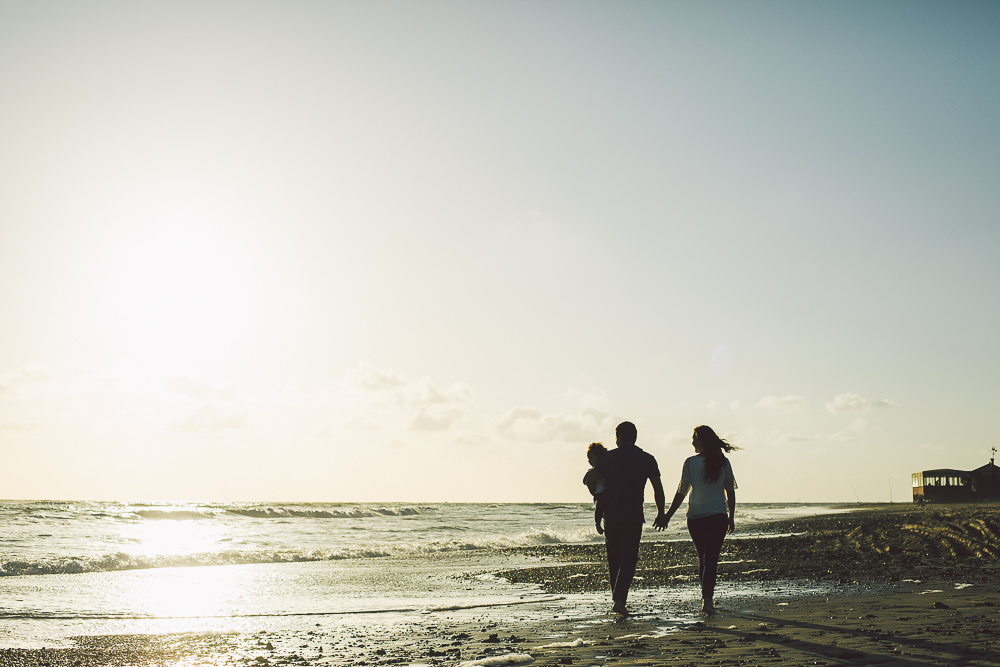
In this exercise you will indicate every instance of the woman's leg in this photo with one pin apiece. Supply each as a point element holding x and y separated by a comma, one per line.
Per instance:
<point>696,527</point>
<point>708,534</point>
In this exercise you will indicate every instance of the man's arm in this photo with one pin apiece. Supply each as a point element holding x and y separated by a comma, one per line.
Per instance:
<point>678,499</point>
<point>660,522</point>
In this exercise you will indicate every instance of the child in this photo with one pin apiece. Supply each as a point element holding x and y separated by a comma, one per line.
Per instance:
<point>595,482</point>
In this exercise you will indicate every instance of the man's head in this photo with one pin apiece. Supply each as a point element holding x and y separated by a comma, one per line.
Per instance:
<point>626,434</point>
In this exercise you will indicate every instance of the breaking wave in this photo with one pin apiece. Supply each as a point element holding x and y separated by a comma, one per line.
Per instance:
<point>125,561</point>
<point>278,513</point>
<point>350,513</point>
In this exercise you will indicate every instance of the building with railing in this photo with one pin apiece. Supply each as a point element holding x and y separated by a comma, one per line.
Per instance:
<point>945,485</point>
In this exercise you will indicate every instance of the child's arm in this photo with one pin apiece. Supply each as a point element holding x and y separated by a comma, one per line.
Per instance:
<point>598,513</point>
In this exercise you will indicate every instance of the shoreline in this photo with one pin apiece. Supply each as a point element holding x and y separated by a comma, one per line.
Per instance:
<point>926,623</point>
<point>882,544</point>
<point>892,585</point>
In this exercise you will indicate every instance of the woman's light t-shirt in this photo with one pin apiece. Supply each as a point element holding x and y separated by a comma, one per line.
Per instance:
<point>707,498</point>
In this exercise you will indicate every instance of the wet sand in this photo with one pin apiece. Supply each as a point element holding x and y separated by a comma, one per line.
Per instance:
<point>877,544</point>
<point>893,585</point>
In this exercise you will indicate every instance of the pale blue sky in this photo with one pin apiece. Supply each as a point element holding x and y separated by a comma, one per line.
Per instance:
<point>427,251</point>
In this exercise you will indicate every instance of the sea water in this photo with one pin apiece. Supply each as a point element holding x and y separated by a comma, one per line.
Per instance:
<point>79,568</point>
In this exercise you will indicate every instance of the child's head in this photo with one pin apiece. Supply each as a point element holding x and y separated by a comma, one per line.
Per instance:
<point>594,452</point>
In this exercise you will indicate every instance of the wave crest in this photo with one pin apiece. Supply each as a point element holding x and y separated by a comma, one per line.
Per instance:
<point>125,561</point>
<point>349,513</point>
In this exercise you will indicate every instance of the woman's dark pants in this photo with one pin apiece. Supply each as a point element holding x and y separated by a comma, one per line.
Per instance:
<point>708,533</point>
<point>622,543</point>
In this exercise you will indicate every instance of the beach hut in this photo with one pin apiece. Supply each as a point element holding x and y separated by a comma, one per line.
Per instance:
<point>945,485</point>
<point>986,482</point>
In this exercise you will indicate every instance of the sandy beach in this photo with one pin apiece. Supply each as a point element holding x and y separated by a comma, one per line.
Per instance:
<point>887,585</point>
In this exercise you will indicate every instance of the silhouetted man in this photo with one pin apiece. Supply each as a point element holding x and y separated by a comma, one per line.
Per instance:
<point>625,471</point>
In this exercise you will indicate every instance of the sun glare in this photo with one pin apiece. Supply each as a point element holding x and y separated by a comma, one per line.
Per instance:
<point>171,539</point>
<point>189,592</point>
<point>180,293</point>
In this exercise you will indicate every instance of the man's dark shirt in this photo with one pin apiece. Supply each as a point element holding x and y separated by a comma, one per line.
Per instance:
<point>626,469</point>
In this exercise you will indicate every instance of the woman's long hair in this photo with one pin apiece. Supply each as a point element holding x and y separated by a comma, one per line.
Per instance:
<point>712,447</point>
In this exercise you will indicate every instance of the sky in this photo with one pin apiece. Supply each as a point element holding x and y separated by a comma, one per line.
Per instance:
<point>428,251</point>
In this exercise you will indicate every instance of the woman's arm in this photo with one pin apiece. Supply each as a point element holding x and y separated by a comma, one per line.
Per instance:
<point>662,521</point>
<point>731,502</point>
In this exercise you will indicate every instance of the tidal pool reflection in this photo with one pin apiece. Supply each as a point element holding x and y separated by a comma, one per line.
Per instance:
<point>188,592</point>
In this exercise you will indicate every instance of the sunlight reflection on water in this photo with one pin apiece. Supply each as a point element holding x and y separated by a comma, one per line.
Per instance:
<point>180,538</point>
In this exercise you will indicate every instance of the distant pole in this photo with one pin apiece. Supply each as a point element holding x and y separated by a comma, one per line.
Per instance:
<point>890,487</point>
<point>853,489</point>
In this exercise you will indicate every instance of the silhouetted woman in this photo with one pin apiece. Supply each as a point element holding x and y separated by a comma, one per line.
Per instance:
<point>708,475</point>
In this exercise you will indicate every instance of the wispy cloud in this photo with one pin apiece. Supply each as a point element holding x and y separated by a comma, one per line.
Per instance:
<point>795,438</point>
<point>25,380</point>
<point>385,399</point>
<point>429,418</point>
<point>786,403</point>
<point>677,438</point>
<point>387,386</point>
<point>186,386</point>
<point>853,403</point>
<point>531,424</point>
<point>852,430</point>
<point>15,425</point>
<point>212,419</point>
<point>588,396</point>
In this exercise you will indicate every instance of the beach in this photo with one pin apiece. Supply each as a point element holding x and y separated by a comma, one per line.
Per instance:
<point>887,585</point>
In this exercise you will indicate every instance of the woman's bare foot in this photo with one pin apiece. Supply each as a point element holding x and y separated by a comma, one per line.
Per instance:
<point>707,607</point>
<point>619,608</point>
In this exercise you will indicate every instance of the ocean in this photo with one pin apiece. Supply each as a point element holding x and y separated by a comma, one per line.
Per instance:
<point>72,569</point>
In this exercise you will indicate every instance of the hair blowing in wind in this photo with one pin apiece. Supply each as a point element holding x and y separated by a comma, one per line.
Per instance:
<point>711,446</point>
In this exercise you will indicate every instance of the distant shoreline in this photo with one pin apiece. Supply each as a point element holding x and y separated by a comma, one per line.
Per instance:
<point>879,544</point>
<point>914,585</point>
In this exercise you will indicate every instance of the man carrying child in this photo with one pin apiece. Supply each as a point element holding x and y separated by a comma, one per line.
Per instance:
<point>625,470</point>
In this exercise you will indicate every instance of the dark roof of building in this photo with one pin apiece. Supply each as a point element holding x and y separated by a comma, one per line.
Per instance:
<point>989,467</point>
<point>944,472</point>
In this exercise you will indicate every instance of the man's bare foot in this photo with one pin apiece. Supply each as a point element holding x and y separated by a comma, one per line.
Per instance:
<point>707,607</point>
<point>619,608</point>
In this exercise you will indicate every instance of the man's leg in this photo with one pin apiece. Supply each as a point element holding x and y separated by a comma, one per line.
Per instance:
<point>625,545</point>
<point>612,544</point>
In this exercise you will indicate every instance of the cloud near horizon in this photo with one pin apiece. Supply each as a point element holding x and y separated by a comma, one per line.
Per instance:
<point>788,402</point>
<point>210,419</point>
<point>396,388</point>
<point>382,396</point>
<point>853,403</point>
<point>795,438</point>
<point>429,418</point>
<point>852,430</point>
<point>14,425</point>
<point>25,379</point>
<point>193,388</point>
<point>523,423</point>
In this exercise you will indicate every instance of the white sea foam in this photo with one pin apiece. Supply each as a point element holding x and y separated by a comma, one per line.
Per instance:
<point>499,660</point>
<point>45,538</point>
<point>177,515</point>
<point>579,641</point>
